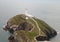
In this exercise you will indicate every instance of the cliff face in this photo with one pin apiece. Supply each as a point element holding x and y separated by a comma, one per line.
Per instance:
<point>29,29</point>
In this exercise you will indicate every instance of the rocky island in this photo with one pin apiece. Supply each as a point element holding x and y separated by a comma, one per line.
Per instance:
<point>24,28</point>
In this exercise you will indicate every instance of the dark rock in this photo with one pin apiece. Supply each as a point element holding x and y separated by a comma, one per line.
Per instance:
<point>6,28</point>
<point>54,33</point>
<point>25,26</point>
<point>11,39</point>
<point>42,38</point>
<point>50,34</point>
<point>11,31</point>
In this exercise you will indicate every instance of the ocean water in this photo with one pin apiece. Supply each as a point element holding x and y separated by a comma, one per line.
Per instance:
<point>54,23</point>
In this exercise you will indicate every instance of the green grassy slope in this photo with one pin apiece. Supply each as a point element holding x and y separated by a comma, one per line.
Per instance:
<point>18,19</point>
<point>50,32</point>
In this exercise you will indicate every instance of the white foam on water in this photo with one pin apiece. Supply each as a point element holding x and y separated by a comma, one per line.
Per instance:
<point>58,32</point>
<point>3,26</point>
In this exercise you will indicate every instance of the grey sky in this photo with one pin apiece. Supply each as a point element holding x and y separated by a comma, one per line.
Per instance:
<point>39,8</point>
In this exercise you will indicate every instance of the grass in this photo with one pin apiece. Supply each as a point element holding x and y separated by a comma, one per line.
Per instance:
<point>18,19</point>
